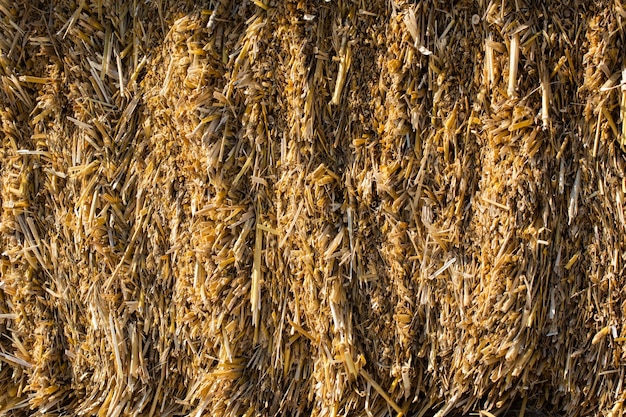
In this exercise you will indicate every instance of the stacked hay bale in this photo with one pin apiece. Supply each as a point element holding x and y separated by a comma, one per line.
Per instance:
<point>312,207</point>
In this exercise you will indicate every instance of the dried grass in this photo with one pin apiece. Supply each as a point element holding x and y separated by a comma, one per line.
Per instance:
<point>312,208</point>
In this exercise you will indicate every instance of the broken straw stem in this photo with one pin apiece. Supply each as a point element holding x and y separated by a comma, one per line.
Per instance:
<point>489,59</point>
<point>514,60</point>
<point>545,97</point>
<point>344,65</point>
<point>255,290</point>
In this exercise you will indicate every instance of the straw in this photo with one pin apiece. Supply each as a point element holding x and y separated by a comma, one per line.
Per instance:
<point>268,208</point>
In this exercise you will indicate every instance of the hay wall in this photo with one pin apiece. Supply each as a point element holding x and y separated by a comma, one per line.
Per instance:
<point>312,208</point>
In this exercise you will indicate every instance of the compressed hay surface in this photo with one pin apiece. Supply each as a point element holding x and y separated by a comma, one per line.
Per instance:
<point>312,208</point>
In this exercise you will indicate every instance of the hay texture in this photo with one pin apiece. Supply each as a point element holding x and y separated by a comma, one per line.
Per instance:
<point>327,208</point>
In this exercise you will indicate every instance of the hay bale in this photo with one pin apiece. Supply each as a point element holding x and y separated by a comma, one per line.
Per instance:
<point>312,208</point>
